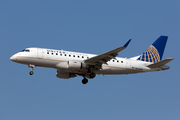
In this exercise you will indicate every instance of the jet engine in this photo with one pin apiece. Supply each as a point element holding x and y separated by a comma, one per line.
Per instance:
<point>64,75</point>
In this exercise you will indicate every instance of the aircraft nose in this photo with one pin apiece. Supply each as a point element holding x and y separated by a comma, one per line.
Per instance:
<point>13,58</point>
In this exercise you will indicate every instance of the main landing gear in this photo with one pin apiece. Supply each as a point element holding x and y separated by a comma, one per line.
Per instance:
<point>32,68</point>
<point>84,81</point>
<point>91,75</point>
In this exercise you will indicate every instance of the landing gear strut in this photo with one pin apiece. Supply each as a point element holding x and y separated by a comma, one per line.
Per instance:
<point>32,68</point>
<point>85,80</point>
<point>92,74</point>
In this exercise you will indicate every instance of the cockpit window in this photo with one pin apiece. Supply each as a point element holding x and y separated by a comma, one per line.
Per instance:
<point>25,50</point>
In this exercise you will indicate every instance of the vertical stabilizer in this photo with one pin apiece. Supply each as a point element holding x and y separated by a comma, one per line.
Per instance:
<point>155,52</point>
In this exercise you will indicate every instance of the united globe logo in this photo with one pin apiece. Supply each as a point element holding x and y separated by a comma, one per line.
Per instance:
<point>150,55</point>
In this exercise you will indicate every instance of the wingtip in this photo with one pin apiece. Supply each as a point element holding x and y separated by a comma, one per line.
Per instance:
<point>127,43</point>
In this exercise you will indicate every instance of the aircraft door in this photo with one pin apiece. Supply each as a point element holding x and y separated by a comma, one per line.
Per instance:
<point>39,53</point>
<point>128,63</point>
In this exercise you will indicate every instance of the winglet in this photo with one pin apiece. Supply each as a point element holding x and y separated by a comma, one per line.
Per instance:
<point>127,43</point>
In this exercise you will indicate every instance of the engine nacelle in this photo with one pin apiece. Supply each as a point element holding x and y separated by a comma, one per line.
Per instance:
<point>64,75</point>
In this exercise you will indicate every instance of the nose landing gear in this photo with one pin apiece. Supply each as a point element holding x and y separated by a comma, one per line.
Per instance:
<point>32,68</point>
<point>31,72</point>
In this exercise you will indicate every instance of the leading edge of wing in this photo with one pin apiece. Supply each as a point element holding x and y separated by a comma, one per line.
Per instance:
<point>105,57</point>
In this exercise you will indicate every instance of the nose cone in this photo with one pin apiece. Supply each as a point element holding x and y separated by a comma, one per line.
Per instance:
<point>13,58</point>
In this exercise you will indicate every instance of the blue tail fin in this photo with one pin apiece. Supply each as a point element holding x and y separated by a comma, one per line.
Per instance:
<point>155,52</point>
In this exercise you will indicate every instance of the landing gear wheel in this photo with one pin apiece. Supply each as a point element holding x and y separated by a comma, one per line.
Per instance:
<point>32,67</point>
<point>84,81</point>
<point>92,75</point>
<point>31,72</point>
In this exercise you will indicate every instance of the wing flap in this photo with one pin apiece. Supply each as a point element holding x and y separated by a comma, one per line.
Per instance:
<point>160,63</point>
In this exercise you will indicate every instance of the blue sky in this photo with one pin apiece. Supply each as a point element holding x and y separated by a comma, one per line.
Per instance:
<point>95,26</point>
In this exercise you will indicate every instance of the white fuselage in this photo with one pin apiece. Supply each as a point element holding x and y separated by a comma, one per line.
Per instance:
<point>53,58</point>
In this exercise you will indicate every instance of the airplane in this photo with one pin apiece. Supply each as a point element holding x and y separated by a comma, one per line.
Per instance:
<point>70,64</point>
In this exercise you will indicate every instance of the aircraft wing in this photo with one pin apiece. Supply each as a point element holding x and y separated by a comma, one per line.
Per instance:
<point>107,56</point>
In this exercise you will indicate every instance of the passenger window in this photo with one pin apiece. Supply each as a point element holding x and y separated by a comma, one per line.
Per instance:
<point>69,55</point>
<point>60,54</point>
<point>113,60</point>
<point>117,60</point>
<point>47,52</point>
<point>52,53</point>
<point>73,55</point>
<point>121,61</point>
<point>78,56</point>
<point>87,57</point>
<point>82,56</point>
<point>64,54</point>
<point>56,53</point>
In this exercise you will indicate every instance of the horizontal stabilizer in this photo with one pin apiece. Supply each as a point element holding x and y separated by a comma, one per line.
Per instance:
<point>160,63</point>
